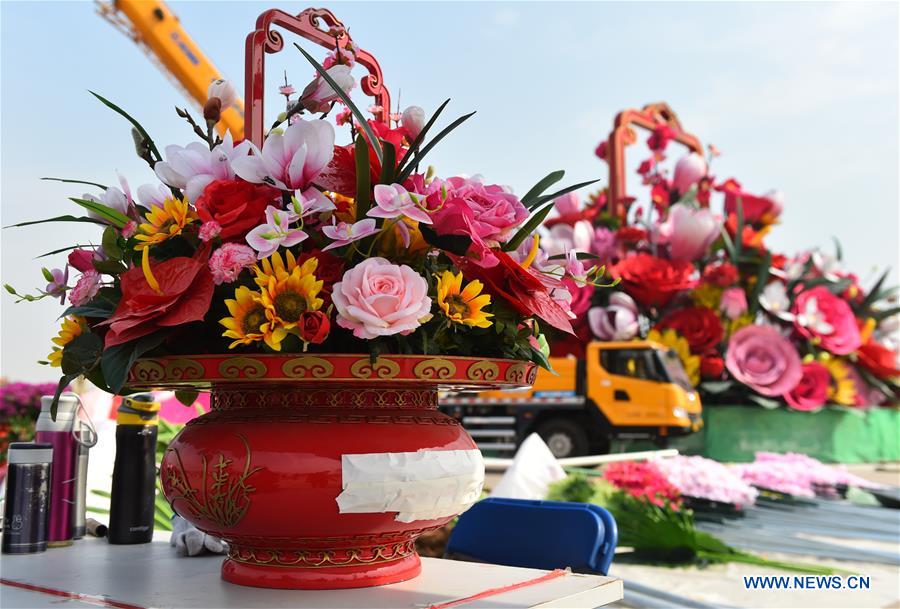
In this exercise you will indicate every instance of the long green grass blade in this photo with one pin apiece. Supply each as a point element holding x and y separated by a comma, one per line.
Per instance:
<point>538,189</point>
<point>114,217</point>
<point>68,181</point>
<point>528,228</point>
<point>133,121</point>
<point>66,218</point>
<point>414,147</point>
<point>543,199</point>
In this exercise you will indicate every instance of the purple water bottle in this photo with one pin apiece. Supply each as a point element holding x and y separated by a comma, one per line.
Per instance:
<point>60,433</point>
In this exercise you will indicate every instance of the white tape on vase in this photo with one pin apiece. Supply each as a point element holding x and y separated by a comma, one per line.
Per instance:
<point>423,485</point>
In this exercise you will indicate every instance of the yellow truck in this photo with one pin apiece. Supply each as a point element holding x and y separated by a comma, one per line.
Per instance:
<point>620,390</point>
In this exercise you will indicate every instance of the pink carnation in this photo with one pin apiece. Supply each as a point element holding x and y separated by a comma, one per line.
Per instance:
<point>227,262</point>
<point>827,320</point>
<point>377,298</point>
<point>86,288</point>
<point>765,361</point>
<point>210,230</point>
<point>491,210</point>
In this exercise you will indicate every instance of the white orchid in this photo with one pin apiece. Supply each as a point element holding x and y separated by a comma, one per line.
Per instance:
<point>192,167</point>
<point>774,299</point>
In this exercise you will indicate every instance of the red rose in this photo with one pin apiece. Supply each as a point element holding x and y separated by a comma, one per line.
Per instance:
<point>720,274</point>
<point>700,326</point>
<point>82,260</point>
<point>237,206</point>
<point>186,289</point>
<point>712,367</point>
<point>879,360</point>
<point>329,271</point>
<point>811,392</point>
<point>653,281</point>
<point>314,326</point>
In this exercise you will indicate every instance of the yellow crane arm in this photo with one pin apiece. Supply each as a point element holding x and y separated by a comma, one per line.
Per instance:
<point>157,31</point>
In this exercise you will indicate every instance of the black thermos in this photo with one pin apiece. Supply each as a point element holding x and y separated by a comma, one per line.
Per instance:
<point>26,516</point>
<point>133,498</point>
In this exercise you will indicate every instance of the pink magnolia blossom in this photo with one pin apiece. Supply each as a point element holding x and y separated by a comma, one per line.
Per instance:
<point>114,198</point>
<point>762,359</point>
<point>689,232</point>
<point>811,392</point>
<point>224,91</point>
<point>153,195</point>
<point>318,95</point>
<point>209,231</point>
<point>733,303</point>
<point>86,288</point>
<point>292,160</point>
<point>192,167</point>
<point>342,233</point>
<point>276,232</point>
<point>564,237</point>
<point>567,204</point>
<point>59,284</point>
<point>617,321</point>
<point>688,171</point>
<point>227,262</point>
<point>394,201</point>
<point>826,319</point>
<point>494,211</point>
<point>413,120</point>
<point>378,298</point>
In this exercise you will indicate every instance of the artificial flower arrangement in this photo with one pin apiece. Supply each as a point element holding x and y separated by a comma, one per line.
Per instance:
<point>696,275</point>
<point>305,244</point>
<point>20,404</point>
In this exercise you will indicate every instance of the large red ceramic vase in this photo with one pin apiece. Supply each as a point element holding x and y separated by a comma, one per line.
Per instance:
<point>320,471</point>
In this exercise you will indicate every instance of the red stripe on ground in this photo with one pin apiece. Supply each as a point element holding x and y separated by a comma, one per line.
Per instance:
<point>100,601</point>
<point>494,591</point>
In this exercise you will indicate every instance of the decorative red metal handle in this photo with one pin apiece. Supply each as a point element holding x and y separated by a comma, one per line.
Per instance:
<point>648,118</point>
<point>307,24</point>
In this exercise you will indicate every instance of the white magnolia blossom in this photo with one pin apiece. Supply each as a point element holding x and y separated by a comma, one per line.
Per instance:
<point>318,95</point>
<point>192,167</point>
<point>153,195</point>
<point>224,90</point>
<point>114,198</point>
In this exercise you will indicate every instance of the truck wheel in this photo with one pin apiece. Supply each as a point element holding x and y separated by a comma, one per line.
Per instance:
<point>564,438</point>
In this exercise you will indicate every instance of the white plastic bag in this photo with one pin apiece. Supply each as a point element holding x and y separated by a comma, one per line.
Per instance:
<point>533,470</point>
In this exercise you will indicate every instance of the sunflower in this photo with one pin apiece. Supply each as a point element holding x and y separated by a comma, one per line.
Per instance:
<point>72,327</point>
<point>248,322</point>
<point>163,222</point>
<point>842,388</point>
<point>287,295</point>
<point>274,266</point>
<point>671,339</point>
<point>463,305</point>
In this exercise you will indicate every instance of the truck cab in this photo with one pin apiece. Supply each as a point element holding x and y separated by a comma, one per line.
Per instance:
<point>620,390</point>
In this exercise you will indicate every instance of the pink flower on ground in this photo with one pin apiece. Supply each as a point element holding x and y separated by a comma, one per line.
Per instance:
<point>689,232</point>
<point>617,321</point>
<point>86,288</point>
<point>227,262</point>
<point>394,201</point>
<point>378,298</point>
<point>688,171</point>
<point>58,286</point>
<point>733,303</point>
<point>827,320</point>
<point>765,361</point>
<point>209,231</point>
<point>276,232</point>
<point>811,392</point>
<point>413,120</point>
<point>493,209</point>
<point>292,160</point>
<point>343,233</point>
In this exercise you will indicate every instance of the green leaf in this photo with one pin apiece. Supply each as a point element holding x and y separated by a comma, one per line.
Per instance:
<point>543,199</point>
<point>101,493</point>
<point>414,147</point>
<point>360,118</point>
<point>133,122</point>
<point>455,244</point>
<point>63,382</point>
<point>109,267</point>
<point>363,177</point>
<point>539,188</point>
<point>407,171</point>
<point>872,296</point>
<point>66,218</point>
<point>762,275</point>
<point>62,249</point>
<point>186,396</point>
<point>110,244</point>
<point>389,165</point>
<point>117,360</point>
<point>67,181</point>
<point>82,354</point>
<point>536,219</point>
<point>883,314</point>
<point>114,217</point>
<point>838,250</point>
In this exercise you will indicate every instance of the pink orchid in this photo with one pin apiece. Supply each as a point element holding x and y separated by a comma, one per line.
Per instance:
<point>394,201</point>
<point>318,95</point>
<point>227,262</point>
<point>575,268</point>
<point>59,284</point>
<point>688,171</point>
<point>343,233</point>
<point>309,202</point>
<point>86,288</point>
<point>292,160</point>
<point>276,232</point>
<point>617,321</point>
<point>192,167</point>
<point>689,232</point>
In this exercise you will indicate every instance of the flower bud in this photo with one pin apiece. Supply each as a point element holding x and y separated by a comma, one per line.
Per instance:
<point>413,120</point>
<point>212,109</point>
<point>223,90</point>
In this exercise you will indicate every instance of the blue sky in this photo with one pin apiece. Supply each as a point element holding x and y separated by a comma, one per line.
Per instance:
<point>798,96</point>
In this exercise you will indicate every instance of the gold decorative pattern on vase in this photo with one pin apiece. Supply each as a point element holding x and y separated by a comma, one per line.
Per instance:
<point>380,368</point>
<point>184,369</point>
<point>223,500</point>
<point>316,559</point>
<point>148,370</point>
<point>517,373</point>
<point>242,367</point>
<point>435,369</point>
<point>483,371</point>
<point>308,366</point>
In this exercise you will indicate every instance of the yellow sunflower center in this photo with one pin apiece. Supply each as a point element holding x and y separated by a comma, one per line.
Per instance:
<point>457,306</point>
<point>289,306</point>
<point>253,319</point>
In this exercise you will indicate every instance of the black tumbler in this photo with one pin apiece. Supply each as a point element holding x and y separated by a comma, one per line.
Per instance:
<point>133,498</point>
<point>26,512</point>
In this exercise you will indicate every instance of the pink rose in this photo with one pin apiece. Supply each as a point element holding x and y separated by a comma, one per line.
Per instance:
<point>377,298</point>
<point>811,392</point>
<point>827,320</point>
<point>494,211</point>
<point>733,303</point>
<point>765,361</point>
<point>82,260</point>
<point>688,171</point>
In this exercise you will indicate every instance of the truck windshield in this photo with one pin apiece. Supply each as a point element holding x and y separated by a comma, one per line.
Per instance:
<point>674,370</point>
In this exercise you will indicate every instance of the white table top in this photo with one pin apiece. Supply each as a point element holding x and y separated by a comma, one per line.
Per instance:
<point>93,573</point>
